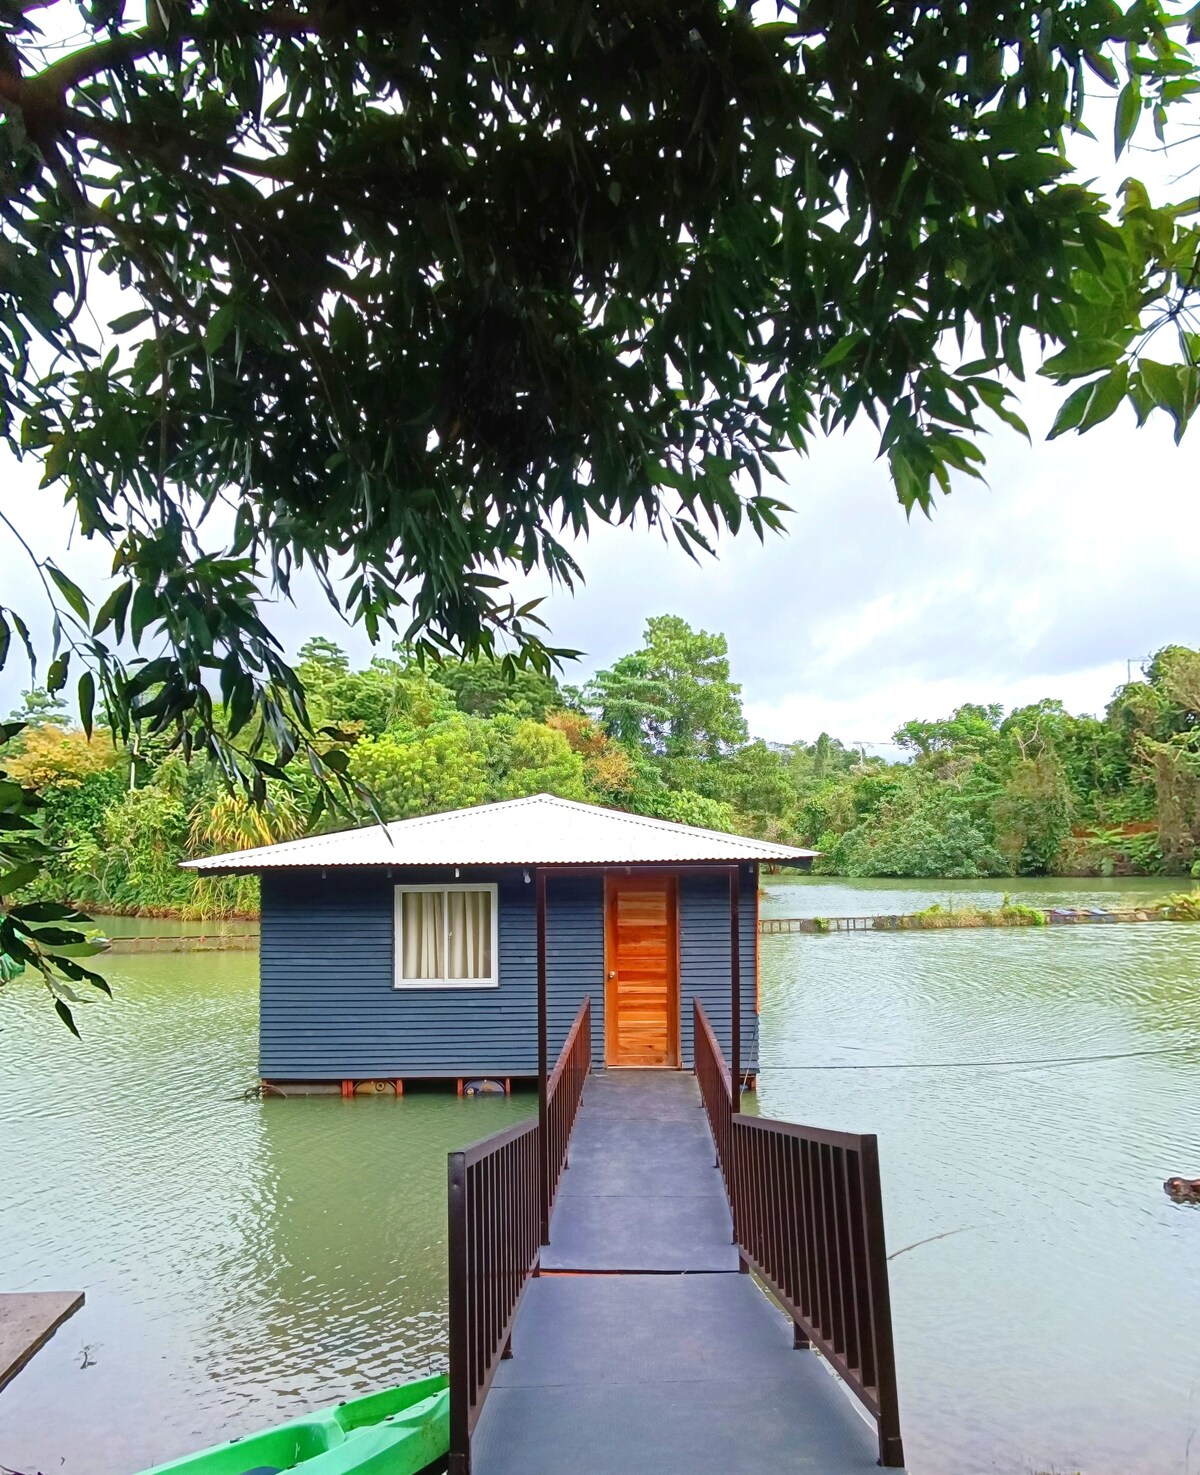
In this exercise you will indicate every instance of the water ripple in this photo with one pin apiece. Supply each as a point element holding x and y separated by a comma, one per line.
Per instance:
<point>1054,1326</point>
<point>247,1261</point>
<point>243,1261</point>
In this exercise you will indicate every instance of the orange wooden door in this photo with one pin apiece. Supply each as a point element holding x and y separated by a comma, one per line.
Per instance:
<point>641,995</point>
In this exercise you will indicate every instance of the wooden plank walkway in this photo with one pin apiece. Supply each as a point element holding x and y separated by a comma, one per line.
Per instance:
<point>639,1346</point>
<point>27,1321</point>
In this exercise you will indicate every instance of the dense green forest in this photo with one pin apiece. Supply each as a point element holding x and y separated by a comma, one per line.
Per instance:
<point>662,732</point>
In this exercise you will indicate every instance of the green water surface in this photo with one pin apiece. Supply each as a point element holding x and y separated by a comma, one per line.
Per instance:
<point>246,1261</point>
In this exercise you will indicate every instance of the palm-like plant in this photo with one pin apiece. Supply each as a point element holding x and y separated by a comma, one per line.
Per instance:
<point>231,821</point>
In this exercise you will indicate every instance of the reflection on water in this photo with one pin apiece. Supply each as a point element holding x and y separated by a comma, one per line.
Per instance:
<point>1057,1324</point>
<point>245,1261</point>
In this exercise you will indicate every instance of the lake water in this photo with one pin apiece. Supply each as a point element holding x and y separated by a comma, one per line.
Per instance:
<point>246,1260</point>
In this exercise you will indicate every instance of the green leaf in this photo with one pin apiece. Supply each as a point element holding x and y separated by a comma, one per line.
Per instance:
<point>22,630</point>
<point>1084,356</point>
<point>144,612</point>
<point>1072,411</point>
<point>56,672</point>
<point>64,1013</point>
<point>219,326</point>
<point>87,700</point>
<point>69,590</point>
<point>1107,393</point>
<point>130,320</point>
<point>57,937</point>
<point>46,911</point>
<point>1129,105</point>
<point>18,876</point>
<point>841,348</point>
<point>113,610</point>
<point>1103,66</point>
<point>1164,386</point>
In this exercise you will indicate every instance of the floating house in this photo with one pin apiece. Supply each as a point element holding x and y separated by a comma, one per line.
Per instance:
<point>461,945</point>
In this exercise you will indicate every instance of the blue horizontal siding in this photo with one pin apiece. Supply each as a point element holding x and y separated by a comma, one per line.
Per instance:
<point>704,954</point>
<point>329,1009</point>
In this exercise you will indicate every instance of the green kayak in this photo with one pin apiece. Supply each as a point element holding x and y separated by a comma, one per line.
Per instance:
<point>396,1432</point>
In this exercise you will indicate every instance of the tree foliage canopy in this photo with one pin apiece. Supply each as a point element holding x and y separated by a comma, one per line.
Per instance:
<point>421,287</point>
<point>407,293</point>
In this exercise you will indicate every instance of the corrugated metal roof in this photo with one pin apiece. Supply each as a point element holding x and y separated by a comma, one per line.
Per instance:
<point>541,830</point>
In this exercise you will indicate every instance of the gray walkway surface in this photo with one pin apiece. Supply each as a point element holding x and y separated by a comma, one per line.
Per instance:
<point>672,1363</point>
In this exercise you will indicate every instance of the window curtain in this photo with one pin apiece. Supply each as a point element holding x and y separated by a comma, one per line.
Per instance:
<point>424,926</point>
<point>446,934</point>
<point>469,928</point>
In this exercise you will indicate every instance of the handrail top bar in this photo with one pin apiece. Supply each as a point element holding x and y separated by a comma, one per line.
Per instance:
<point>722,1064</point>
<point>853,1141</point>
<point>561,1063</point>
<point>476,1150</point>
<point>809,1221</point>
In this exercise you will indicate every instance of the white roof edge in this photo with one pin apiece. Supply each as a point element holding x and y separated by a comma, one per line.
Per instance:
<point>540,829</point>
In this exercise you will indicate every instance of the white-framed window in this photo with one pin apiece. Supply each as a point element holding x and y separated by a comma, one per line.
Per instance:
<point>447,936</point>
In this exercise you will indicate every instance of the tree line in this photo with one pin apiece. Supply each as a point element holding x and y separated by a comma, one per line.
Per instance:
<point>661,732</point>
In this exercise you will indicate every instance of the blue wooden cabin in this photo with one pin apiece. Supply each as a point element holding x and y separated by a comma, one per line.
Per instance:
<point>410,951</point>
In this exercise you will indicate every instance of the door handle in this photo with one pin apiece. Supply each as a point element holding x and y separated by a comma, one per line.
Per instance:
<point>613,973</point>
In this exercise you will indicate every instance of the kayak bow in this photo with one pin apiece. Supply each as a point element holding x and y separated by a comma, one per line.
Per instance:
<point>396,1432</point>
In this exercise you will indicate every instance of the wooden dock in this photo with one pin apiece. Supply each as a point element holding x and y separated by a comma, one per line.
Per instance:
<point>768,926</point>
<point>948,921</point>
<point>28,1320</point>
<point>184,942</point>
<point>640,1346</point>
<point>632,1336</point>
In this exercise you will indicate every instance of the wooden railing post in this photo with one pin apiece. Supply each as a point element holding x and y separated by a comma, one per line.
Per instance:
<point>543,1060</point>
<point>500,1192</point>
<point>459,1316</point>
<point>891,1449</point>
<point>735,983</point>
<point>563,1092</point>
<point>807,1213</point>
<point>735,1033</point>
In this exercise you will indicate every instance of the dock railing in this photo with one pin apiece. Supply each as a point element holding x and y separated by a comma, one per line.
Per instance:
<point>716,1091</point>
<point>495,1209</point>
<point>808,1220</point>
<point>563,1093</point>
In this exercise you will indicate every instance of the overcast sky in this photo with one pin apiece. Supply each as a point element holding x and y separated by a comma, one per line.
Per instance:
<point>1078,557</point>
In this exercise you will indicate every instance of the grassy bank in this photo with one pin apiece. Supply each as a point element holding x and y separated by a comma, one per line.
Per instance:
<point>201,911</point>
